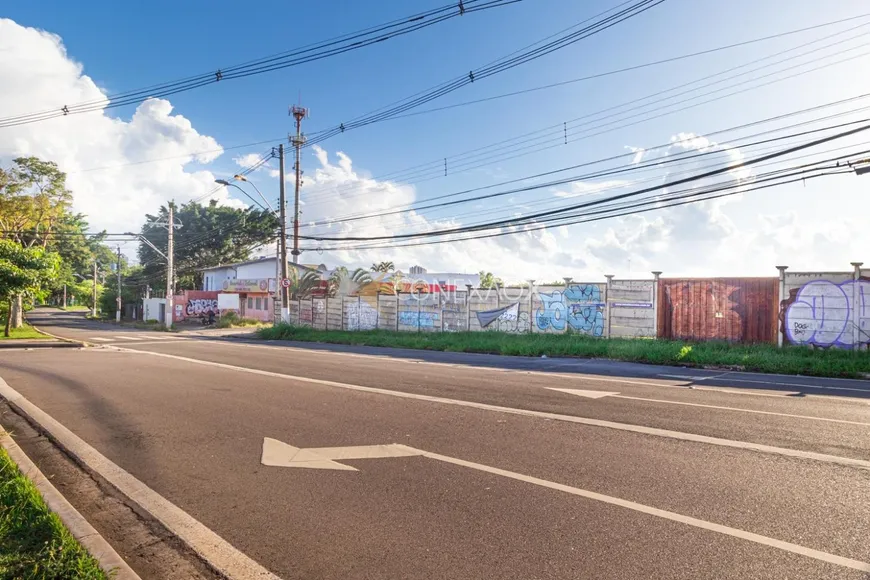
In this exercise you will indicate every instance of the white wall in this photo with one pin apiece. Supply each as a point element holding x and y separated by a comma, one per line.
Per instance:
<point>151,309</point>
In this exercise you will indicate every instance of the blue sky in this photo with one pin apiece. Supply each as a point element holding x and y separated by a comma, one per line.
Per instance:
<point>129,45</point>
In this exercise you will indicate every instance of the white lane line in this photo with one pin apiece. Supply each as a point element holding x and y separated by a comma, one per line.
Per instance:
<point>127,337</point>
<point>574,376</point>
<point>823,457</point>
<point>101,339</point>
<point>740,410</point>
<point>207,544</point>
<point>675,517</point>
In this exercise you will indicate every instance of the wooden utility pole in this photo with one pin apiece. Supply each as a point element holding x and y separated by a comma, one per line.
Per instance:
<point>94,302</point>
<point>282,238</point>
<point>170,267</point>
<point>118,299</point>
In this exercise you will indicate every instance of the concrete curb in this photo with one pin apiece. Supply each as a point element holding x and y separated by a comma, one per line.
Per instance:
<point>111,563</point>
<point>81,343</point>
<point>212,549</point>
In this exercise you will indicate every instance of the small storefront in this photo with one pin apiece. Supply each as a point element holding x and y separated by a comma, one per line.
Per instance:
<point>256,297</point>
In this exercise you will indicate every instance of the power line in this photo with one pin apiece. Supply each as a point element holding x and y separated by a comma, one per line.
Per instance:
<point>415,206</point>
<point>535,216</point>
<point>501,65</point>
<point>317,51</point>
<point>557,134</point>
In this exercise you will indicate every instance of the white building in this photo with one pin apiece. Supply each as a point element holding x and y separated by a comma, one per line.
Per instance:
<point>218,277</point>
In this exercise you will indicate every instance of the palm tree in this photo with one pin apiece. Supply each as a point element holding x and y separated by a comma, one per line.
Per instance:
<point>383,267</point>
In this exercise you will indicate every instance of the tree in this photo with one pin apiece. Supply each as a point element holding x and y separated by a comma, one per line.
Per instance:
<point>22,270</point>
<point>487,280</point>
<point>210,235</point>
<point>303,286</point>
<point>383,267</point>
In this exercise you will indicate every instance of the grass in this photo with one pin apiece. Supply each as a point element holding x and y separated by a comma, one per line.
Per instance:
<point>232,320</point>
<point>34,544</point>
<point>764,358</point>
<point>25,332</point>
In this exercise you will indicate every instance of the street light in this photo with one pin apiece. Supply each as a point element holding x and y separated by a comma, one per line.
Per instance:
<point>862,170</point>
<point>246,180</point>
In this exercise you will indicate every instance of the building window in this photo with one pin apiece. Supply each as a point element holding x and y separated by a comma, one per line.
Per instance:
<point>259,304</point>
<point>250,302</point>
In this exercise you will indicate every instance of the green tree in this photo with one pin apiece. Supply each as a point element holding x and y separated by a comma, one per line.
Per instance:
<point>210,235</point>
<point>23,270</point>
<point>487,280</point>
<point>342,281</point>
<point>383,267</point>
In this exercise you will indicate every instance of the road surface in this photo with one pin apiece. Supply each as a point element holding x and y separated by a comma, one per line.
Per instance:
<point>336,462</point>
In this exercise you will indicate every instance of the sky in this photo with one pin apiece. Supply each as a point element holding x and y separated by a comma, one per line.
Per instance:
<point>125,162</point>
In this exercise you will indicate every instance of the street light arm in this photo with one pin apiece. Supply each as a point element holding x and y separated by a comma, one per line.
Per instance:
<point>226,183</point>
<point>257,189</point>
<point>148,243</point>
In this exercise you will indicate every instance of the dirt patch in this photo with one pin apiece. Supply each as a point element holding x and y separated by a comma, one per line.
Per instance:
<point>151,550</point>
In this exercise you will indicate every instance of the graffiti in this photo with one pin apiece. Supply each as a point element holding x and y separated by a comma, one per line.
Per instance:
<point>487,317</point>
<point>361,316</point>
<point>418,319</point>
<point>520,323</point>
<point>579,307</point>
<point>822,314</point>
<point>197,306</point>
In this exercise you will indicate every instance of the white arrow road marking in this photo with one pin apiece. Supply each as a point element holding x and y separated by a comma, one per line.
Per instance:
<point>587,394</point>
<point>278,454</point>
<point>283,455</point>
<point>100,339</point>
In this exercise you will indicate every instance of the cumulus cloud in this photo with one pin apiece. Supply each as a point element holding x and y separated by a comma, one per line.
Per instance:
<point>101,153</point>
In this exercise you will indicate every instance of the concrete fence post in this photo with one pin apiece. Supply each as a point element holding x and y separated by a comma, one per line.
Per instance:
<point>326,308</point>
<point>856,307</point>
<point>378,311</point>
<point>398,301</point>
<point>655,301</point>
<point>418,310</point>
<point>342,310</point>
<point>531,299</point>
<point>441,308</point>
<point>468,307</point>
<point>779,326</point>
<point>607,304</point>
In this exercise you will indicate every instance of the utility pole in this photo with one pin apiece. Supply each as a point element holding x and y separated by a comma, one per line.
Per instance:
<point>298,113</point>
<point>168,315</point>
<point>94,303</point>
<point>282,238</point>
<point>118,300</point>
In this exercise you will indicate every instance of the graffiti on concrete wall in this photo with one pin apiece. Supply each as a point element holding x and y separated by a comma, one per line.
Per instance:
<point>822,314</point>
<point>418,319</point>
<point>197,306</point>
<point>361,316</point>
<point>579,307</point>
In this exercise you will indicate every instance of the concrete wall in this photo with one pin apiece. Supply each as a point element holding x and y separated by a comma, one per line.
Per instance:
<point>631,308</point>
<point>824,309</point>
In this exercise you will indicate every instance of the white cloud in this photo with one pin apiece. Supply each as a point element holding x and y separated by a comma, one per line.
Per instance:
<point>99,152</point>
<point>817,227</point>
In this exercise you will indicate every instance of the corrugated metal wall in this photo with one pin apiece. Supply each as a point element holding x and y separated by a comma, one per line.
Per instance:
<point>732,309</point>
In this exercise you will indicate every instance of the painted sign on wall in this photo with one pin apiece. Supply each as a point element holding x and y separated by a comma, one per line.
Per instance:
<point>246,285</point>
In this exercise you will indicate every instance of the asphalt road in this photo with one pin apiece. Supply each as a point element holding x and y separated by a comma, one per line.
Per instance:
<point>504,474</point>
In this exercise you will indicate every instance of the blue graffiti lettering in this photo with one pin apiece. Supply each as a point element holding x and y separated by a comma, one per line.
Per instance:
<point>418,319</point>
<point>579,307</point>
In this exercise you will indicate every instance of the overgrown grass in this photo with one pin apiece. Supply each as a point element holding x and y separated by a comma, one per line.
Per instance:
<point>763,358</point>
<point>233,320</point>
<point>34,544</point>
<point>25,332</point>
